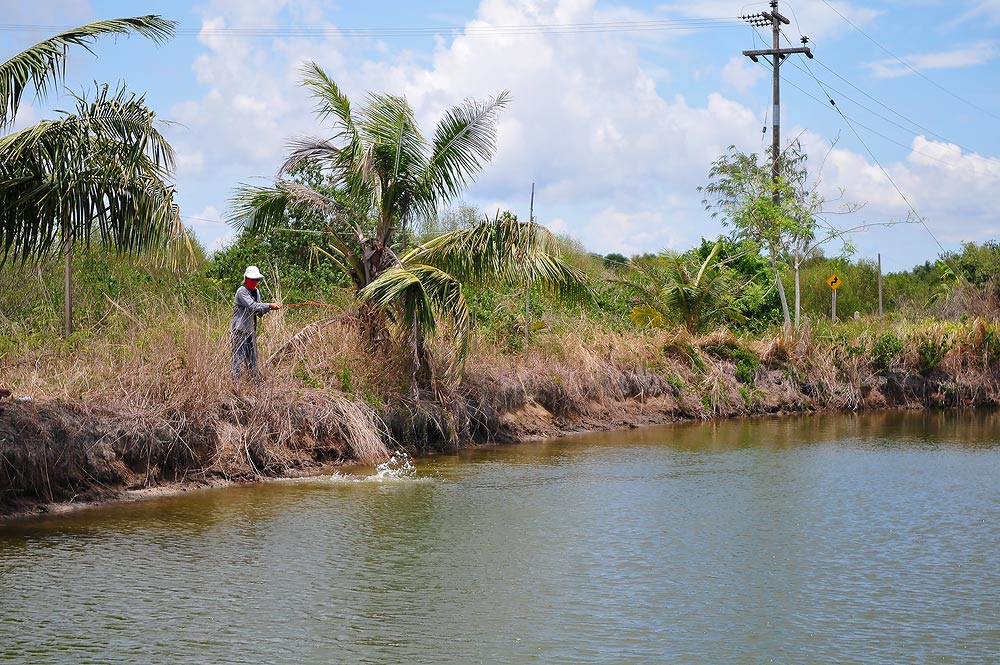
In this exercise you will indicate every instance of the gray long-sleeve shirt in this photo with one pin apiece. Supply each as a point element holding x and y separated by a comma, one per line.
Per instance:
<point>246,308</point>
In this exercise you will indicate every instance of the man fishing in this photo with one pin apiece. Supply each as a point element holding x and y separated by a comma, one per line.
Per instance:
<point>247,308</point>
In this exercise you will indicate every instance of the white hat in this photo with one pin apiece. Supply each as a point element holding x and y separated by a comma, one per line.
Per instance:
<point>253,273</point>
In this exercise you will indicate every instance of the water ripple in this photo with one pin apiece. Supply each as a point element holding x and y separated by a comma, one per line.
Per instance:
<point>811,540</point>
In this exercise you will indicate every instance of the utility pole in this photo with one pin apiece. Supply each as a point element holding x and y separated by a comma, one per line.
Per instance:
<point>880,284</point>
<point>777,55</point>
<point>527,286</point>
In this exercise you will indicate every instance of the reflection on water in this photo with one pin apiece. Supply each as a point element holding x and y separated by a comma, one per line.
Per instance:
<point>867,538</point>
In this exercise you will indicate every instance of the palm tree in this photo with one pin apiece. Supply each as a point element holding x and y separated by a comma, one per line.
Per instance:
<point>99,169</point>
<point>384,171</point>
<point>427,284</point>
<point>669,289</point>
<point>385,174</point>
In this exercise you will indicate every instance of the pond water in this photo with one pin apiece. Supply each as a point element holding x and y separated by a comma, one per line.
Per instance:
<point>849,538</point>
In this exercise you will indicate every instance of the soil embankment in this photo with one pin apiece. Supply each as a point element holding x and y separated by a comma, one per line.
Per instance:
<point>58,452</point>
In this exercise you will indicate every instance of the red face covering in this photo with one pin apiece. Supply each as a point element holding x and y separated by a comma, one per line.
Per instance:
<point>250,283</point>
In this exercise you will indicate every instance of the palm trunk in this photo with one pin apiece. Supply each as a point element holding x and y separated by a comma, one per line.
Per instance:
<point>67,281</point>
<point>798,299</point>
<point>781,293</point>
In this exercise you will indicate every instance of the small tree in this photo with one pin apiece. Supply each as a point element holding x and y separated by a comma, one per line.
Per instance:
<point>783,216</point>
<point>101,169</point>
<point>673,287</point>
<point>385,176</point>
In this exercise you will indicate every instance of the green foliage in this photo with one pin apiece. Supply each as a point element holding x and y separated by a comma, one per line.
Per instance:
<point>753,293</point>
<point>108,289</point>
<point>858,292</point>
<point>747,363</point>
<point>886,351</point>
<point>978,264</point>
<point>675,288</point>
<point>780,215</point>
<point>615,261</point>
<point>931,350</point>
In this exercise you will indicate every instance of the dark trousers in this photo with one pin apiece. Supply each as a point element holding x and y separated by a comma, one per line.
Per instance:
<point>245,355</point>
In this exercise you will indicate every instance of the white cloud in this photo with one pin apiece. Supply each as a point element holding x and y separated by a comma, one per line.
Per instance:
<point>252,105</point>
<point>584,128</point>
<point>977,53</point>
<point>816,19</point>
<point>628,233</point>
<point>558,226</point>
<point>990,9</point>
<point>741,74</point>
<point>190,163</point>
<point>956,193</point>
<point>208,224</point>
<point>615,153</point>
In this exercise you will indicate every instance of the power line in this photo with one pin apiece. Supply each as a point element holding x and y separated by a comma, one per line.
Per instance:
<point>911,67</point>
<point>920,127</point>
<point>883,170</point>
<point>887,107</point>
<point>808,70</point>
<point>413,31</point>
<point>872,130</point>
<point>203,219</point>
<point>880,103</point>
<point>892,122</point>
<point>833,107</point>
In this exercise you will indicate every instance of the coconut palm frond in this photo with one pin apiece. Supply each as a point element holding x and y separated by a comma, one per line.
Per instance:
<point>258,209</point>
<point>99,169</point>
<point>308,150</point>
<point>507,251</point>
<point>675,289</point>
<point>42,66</point>
<point>37,209</point>
<point>302,196</point>
<point>262,209</point>
<point>387,124</point>
<point>647,316</point>
<point>330,99</point>
<point>464,141</point>
<point>423,293</point>
<point>117,123</point>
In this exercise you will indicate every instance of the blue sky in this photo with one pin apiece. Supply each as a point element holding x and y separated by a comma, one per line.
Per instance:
<point>615,118</point>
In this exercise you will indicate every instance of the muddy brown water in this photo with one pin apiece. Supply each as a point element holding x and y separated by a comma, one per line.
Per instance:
<point>849,538</point>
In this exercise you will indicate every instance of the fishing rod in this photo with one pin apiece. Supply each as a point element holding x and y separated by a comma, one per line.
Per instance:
<point>311,303</point>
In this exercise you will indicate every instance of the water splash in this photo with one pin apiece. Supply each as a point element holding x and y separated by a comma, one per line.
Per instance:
<point>397,467</point>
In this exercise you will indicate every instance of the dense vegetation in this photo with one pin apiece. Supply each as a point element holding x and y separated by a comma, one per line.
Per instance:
<point>428,326</point>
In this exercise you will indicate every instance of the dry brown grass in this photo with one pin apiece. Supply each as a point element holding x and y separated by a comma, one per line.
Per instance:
<point>157,404</point>
<point>154,402</point>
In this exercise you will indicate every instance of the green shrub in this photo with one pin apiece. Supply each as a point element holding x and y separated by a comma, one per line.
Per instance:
<point>931,350</point>
<point>886,351</point>
<point>746,361</point>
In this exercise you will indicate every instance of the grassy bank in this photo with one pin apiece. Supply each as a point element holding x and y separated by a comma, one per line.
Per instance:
<point>145,398</point>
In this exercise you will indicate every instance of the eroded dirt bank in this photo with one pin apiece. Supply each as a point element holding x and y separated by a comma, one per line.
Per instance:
<point>57,454</point>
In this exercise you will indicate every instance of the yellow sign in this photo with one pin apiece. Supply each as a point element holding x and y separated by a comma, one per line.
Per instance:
<point>834,282</point>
